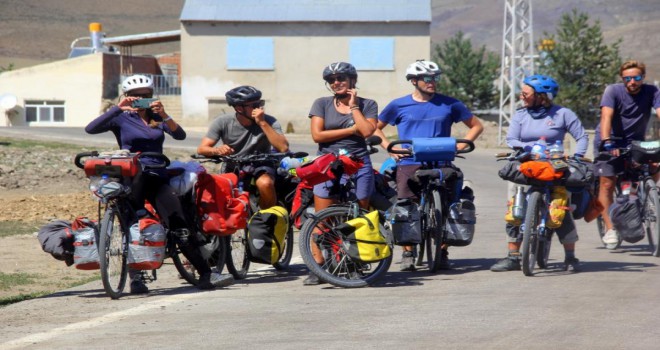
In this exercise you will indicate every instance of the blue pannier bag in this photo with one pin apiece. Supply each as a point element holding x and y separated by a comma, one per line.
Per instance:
<point>431,149</point>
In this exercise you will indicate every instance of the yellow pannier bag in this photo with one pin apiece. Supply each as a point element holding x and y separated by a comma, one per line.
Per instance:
<point>362,239</point>
<point>508,217</point>
<point>266,233</point>
<point>557,207</point>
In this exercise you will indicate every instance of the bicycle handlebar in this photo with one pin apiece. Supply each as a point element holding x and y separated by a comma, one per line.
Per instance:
<point>250,158</point>
<point>408,151</point>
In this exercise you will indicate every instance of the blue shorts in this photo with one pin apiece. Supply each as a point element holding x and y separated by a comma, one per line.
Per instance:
<point>363,180</point>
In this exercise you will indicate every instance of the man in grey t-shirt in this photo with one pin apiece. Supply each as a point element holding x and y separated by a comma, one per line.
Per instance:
<point>248,131</point>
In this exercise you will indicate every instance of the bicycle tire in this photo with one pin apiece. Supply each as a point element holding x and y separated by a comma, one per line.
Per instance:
<point>216,261</point>
<point>285,260</point>
<point>338,268</point>
<point>545,243</point>
<point>113,252</point>
<point>238,262</point>
<point>530,233</point>
<point>437,231</point>
<point>651,216</point>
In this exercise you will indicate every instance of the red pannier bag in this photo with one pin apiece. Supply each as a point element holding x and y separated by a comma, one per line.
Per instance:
<point>317,171</point>
<point>222,209</point>
<point>120,165</point>
<point>303,198</point>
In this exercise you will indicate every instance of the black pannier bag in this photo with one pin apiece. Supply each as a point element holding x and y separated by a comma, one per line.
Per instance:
<point>626,216</point>
<point>57,239</point>
<point>405,223</point>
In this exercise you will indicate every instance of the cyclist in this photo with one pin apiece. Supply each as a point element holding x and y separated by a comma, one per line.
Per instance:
<point>625,111</point>
<point>424,113</point>
<point>342,122</point>
<point>247,131</point>
<point>538,118</point>
<point>143,130</point>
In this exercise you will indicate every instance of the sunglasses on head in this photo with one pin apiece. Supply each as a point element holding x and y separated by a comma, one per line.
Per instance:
<point>339,78</point>
<point>636,78</point>
<point>257,104</point>
<point>430,78</point>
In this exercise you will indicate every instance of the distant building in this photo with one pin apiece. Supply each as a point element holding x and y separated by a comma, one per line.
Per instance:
<point>278,46</point>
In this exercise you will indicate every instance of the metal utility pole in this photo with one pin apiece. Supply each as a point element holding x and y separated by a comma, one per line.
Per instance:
<point>517,56</point>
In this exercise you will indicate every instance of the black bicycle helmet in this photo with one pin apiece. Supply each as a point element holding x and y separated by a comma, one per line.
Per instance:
<point>242,94</point>
<point>340,68</point>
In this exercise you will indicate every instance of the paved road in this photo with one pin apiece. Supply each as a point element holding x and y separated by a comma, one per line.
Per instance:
<point>612,304</point>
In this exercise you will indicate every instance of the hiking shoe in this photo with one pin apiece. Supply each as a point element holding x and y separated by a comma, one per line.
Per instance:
<point>138,286</point>
<point>611,239</point>
<point>572,264</point>
<point>312,280</point>
<point>408,261</point>
<point>444,260</point>
<point>507,264</point>
<point>211,280</point>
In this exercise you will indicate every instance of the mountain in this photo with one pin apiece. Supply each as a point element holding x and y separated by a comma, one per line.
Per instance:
<point>37,31</point>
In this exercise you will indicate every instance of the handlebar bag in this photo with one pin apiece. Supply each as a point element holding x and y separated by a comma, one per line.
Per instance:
<point>431,149</point>
<point>85,244</point>
<point>266,233</point>
<point>221,206</point>
<point>113,165</point>
<point>362,239</point>
<point>578,174</point>
<point>540,170</point>
<point>645,151</point>
<point>146,249</point>
<point>351,164</point>
<point>319,170</point>
<point>511,172</point>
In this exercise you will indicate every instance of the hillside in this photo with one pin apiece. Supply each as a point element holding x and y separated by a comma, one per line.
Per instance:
<point>34,31</point>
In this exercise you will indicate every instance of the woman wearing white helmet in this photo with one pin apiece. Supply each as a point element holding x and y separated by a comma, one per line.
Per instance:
<point>142,128</point>
<point>424,113</point>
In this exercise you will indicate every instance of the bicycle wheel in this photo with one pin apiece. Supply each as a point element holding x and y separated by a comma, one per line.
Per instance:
<point>544,251</point>
<point>284,261</point>
<point>338,268</point>
<point>435,226</point>
<point>530,243</point>
<point>215,253</point>
<point>113,252</point>
<point>237,259</point>
<point>651,216</point>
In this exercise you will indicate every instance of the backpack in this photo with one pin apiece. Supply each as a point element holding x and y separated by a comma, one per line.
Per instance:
<point>460,223</point>
<point>146,249</point>
<point>626,216</point>
<point>85,244</point>
<point>266,232</point>
<point>56,238</point>
<point>362,239</point>
<point>222,208</point>
<point>405,223</point>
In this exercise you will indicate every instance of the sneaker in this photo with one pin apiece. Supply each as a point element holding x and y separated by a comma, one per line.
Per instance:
<point>220,280</point>
<point>611,239</point>
<point>507,264</point>
<point>312,280</point>
<point>408,261</point>
<point>138,286</point>
<point>444,260</point>
<point>572,264</point>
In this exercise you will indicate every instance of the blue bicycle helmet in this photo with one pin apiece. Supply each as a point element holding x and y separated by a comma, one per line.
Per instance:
<point>542,84</point>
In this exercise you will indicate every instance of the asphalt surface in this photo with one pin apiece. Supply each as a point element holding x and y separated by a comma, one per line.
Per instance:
<point>611,304</point>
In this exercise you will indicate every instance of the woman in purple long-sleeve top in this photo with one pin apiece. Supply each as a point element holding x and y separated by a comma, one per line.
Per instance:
<point>143,129</point>
<point>538,118</point>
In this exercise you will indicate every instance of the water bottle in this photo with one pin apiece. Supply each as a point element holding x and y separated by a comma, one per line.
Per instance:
<point>518,208</point>
<point>539,149</point>
<point>625,187</point>
<point>288,163</point>
<point>556,150</point>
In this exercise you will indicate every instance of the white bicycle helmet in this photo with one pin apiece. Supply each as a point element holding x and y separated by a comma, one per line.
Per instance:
<point>137,81</point>
<point>420,68</point>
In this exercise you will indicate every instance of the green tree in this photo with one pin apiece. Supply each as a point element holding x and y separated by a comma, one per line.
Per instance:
<point>469,74</point>
<point>581,63</point>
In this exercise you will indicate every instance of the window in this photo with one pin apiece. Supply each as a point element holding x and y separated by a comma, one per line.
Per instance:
<point>372,53</point>
<point>250,54</point>
<point>44,111</point>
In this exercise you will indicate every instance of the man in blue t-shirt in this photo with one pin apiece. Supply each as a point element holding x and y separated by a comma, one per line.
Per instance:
<point>625,111</point>
<point>424,113</point>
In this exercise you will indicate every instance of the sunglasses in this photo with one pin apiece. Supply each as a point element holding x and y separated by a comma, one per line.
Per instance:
<point>430,78</point>
<point>524,95</point>
<point>141,95</point>
<point>636,78</point>
<point>339,78</point>
<point>257,104</point>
